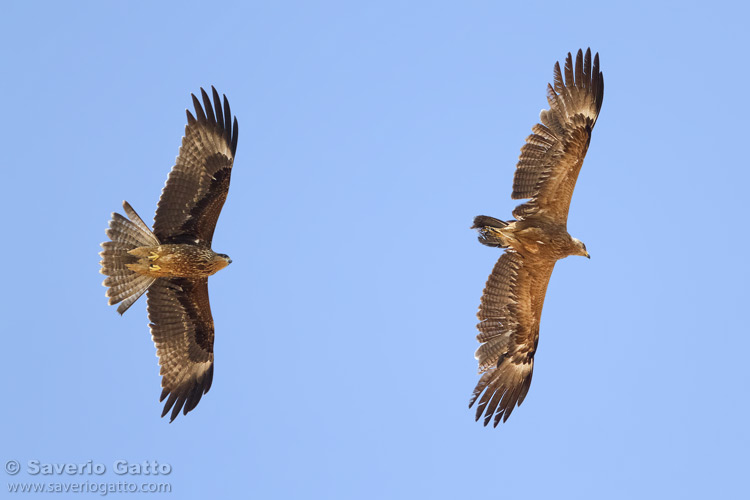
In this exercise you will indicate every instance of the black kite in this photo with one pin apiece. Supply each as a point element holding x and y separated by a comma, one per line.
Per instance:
<point>511,305</point>
<point>174,261</point>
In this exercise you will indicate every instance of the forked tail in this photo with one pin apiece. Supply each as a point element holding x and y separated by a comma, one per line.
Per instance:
<point>489,233</point>
<point>125,285</point>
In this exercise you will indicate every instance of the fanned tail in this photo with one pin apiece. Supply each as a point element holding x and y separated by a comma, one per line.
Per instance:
<point>489,233</point>
<point>125,286</point>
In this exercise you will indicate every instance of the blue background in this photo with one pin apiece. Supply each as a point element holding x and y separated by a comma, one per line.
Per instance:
<point>370,136</point>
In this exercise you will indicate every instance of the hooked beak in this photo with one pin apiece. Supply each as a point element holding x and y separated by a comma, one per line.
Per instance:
<point>587,256</point>
<point>229,261</point>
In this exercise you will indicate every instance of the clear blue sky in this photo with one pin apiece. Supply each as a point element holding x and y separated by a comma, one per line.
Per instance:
<point>370,136</point>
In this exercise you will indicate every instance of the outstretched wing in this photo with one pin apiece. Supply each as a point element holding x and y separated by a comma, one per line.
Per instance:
<point>550,160</point>
<point>509,316</point>
<point>198,184</point>
<point>183,330</point>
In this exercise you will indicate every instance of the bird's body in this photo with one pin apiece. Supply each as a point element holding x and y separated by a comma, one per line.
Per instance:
<point>511,307</point>
<point>172,263</point>
<point>531,237</point>
<point>177,261</point>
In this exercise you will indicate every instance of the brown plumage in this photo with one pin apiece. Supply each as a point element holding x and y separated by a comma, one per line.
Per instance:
<point>546,173</point>
<point>172,263</point>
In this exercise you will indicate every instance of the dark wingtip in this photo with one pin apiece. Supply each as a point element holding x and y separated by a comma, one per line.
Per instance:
<point>198,109</point>
<point>218,107</point>
<point>184,398</point>
<point>219,114</point>
<point>235,135</point>
<point>209,109</point>
<point>227,114</point>
<point>177,407</point>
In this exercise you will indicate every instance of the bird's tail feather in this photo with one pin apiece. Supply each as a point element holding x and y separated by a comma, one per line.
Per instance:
<point>489,233</point>
<point>125,286</point>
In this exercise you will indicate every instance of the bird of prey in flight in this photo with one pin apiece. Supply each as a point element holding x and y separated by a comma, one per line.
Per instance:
<point>546,173</point>
<point>172,262</point>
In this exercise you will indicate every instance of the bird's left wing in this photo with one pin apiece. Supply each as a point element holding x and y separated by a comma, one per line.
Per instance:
<point>509,316</point>
<point>552,157</point>
<point>198,184</point>
<point>183,330</point>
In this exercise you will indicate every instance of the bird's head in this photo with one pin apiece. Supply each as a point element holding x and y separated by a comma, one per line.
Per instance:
<point>580,248</point>
<point>222,260</point>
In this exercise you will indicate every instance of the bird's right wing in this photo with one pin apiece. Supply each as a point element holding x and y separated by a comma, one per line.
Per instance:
<point>183,330</point>
<point>509,316</point>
